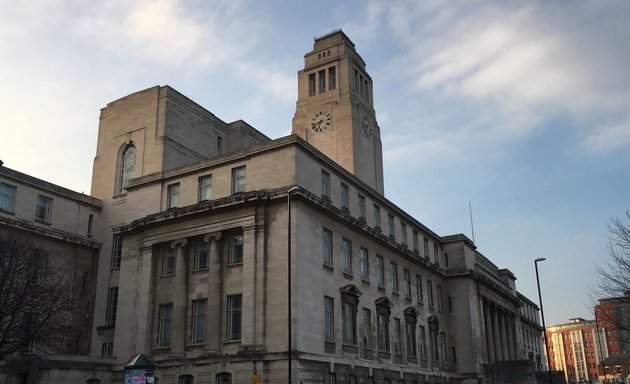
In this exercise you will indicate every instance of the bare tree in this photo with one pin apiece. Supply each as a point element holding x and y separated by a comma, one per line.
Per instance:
<point>35,301</point>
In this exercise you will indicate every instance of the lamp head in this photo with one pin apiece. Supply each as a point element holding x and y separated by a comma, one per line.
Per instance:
<point>539,259</point>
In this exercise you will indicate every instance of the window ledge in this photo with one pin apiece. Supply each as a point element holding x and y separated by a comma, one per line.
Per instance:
<point>328,267</point>
<point>348,275</point>
<point>364,280</point>
<point>7,212</point>
<point>167,275</point>
<point>200,269</point>
<point>40,221</point>
<point>235,264</point>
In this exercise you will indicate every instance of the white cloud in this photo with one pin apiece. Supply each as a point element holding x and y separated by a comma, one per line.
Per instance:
<point>609,138</point>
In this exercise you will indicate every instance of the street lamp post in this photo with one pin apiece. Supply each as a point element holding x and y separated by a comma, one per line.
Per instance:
<point>542,314</point>
<point>289,341</point>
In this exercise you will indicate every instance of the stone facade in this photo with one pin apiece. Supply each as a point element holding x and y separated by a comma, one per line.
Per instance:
<point>194,227</point>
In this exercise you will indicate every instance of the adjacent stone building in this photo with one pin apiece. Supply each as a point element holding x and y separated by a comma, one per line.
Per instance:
<point>206,227</point>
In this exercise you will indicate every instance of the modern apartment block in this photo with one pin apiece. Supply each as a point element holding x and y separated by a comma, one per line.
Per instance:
<point>209,232</point>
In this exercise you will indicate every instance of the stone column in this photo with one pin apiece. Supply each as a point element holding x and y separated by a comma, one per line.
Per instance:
<point>503,330</point>
<point>144,314</point>
<point>497,334</point>
<point>250,311</point>
<point>512,337</point>
<point>215,294</point>
<point>180,299</point>
<point>488,329</point>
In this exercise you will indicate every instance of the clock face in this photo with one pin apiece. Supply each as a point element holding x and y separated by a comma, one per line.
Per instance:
<point>367,126</point>
<point>321,121</point>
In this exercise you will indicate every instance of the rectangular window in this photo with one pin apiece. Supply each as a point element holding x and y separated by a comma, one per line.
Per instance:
<point>116,250</point>
<point>327,251</point>
<point>312,85</point>
<point>426,248</point>
<point>90,225</point>
<point>346,252</point>
<point>235,255</point>
<point>219,143</point>
<point>199,321</point>
<point>416,245</point>
<point>423,343</point>
<point>349,323</point>
<point>380,272</point>
<point>419,288</point>
<point>411,338</point>
<point>407,283</point>
<point>322,81</point>
<point>393,273</point>
<point>361,199</point>
<point>430,293</point>
<point>364,264</point>
<point>443,346</point>
<point>44,208</point>
<point>7,197</point>
<point>382,324</point>
<point>436,253</point>
<point>396,337</point>
<point>345,198</point>
<point>112,306</point>
<point>172,192</point>
<point>325,184</point>
<point>332,78</point>
<point>403,233</point>
<point>205,188</point>
<point>168,261</point>
<point>201,256</point>
<point>440,299</point>
<point>238,180</point>
<point>164,325</point>
<point>433,343</point>
<point>367,328</point>
<point>392,227</point>
<point>234,316</point>
<point>377,216</point>
<point>329,319</point>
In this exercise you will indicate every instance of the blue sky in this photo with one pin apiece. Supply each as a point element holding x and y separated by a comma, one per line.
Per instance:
<point>521,108</point>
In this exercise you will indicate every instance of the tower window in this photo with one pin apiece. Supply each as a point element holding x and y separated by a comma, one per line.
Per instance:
<point>238,179</point>
<point>312,87</point>
<point>322,81</point>
<point>332,78</point>
<point>127,166</point>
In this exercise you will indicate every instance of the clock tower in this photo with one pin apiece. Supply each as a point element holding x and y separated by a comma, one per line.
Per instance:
<point>335,110</point>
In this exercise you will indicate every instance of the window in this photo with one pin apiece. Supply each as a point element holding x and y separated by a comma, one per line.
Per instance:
<point>419,288</point>
<point>325,184</point>
<point>90,225</point>
<point>7,197</point>
<point>112,306</point>
<point>329,318</point>
<point>312,85</point>
<point>201,256</point>
<point>426,247</point>
<point>440,299</point>
<point>377,216</point>
<point>407,283</point>
<point>410,327</point>
<point>380,272</point>
<point>382,324</point>
<point>236,249</point>
<point>238,180</point>
<point>224,378</point>
<point>322,81</point>
<point>423,343</point>
<point>403,233</point>
<point>393,272</point>
<point>367,328</point>
<point>361,199</point>
<point>168,261</point>
<point>234,315</point>
<point>44,208</point>
<point>186,379</point>
<point>205,188</point>
<point>345,203</point>
<point>430,293</point>
<point>349,322</point>
<point>332,78</point>
<point>346,252</point>
<point>443,346</point>
<point>172,199</point>
<point>327,247</point>
<point>436,253</point>
<point>116,250</point>
<point>199,321</point>
<point>127,166</point>
<point>331,378</point>
<point>392,228</point>
<point>416,246</point>
<point>396,337</point>
<point>364,264</point>
<point>433,340</point>
<point>164,325</point>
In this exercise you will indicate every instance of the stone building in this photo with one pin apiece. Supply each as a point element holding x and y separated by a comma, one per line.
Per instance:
<point>198,218</point>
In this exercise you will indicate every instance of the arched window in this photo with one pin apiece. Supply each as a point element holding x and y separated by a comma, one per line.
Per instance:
<point>224,378</point>
<point>186,379</point>
<point>127,166</point>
